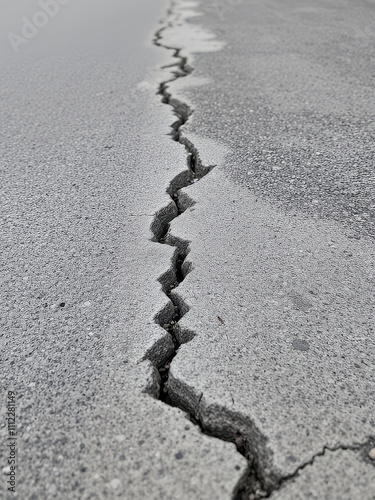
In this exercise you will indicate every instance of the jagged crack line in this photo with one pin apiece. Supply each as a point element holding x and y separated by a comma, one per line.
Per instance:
<point>252,485</point>
<point>170,280</point>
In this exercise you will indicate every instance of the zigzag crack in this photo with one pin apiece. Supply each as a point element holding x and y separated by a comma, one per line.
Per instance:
<point>169,317</point>
<point>180,201</point>
<point>253,485</point>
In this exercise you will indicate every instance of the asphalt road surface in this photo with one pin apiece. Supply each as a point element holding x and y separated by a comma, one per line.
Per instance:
<point>294,101</point>
<point>265,386</point>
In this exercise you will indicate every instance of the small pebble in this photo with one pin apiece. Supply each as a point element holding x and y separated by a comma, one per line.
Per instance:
<point>120,438</point>
<point>52,490</point>
<point>371,453</point>
<point>115,483</point>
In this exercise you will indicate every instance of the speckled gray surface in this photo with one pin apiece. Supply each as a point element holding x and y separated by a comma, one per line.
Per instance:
<point>283,315</point>
<point>292,95</point>
<point>280,295</point>
<point>319,481</point>
<point>85,161</point>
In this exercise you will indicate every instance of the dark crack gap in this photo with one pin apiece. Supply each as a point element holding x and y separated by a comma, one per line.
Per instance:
<point>179,269</point>
<point>252,485</point>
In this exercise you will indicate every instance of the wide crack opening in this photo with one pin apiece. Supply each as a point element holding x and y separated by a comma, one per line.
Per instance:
<point>250,486</point>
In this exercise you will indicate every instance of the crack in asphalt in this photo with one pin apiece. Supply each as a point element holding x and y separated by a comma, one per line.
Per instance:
<point>253,485</point>
<point>171,279</point>
<point>170,316</point>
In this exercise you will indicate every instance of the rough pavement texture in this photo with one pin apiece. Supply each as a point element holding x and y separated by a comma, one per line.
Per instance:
<point>85,162</point>
<point>280,301</point>
<point>285,310</point>
<point>292,95</point>
<point>319,481</point>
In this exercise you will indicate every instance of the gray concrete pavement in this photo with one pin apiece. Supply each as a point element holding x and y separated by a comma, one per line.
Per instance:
<point>280,297</point>
<point>292,96</point>
<point>275,295</point>
<point>85,162</point>
<point>319,481</point>
<point>282,312</point>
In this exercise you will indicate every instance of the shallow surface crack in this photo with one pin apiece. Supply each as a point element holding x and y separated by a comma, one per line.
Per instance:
<point>365,446</point>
